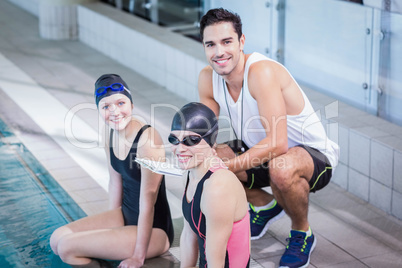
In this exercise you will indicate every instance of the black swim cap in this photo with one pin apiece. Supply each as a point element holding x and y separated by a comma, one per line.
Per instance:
<point>107,80</point>
<point>198,118</point>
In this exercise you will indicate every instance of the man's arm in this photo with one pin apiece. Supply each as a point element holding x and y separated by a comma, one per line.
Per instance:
<point>205,90</point>
<point>264,85</point>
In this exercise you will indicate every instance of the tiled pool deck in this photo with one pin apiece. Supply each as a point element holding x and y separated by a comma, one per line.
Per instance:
<point>41,80</point>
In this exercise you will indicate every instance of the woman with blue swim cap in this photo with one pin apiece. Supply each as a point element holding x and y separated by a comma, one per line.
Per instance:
<point>138,224</point>
<point>215,208</point>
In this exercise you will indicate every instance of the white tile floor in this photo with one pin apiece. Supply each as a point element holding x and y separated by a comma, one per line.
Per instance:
<point>350,232</point>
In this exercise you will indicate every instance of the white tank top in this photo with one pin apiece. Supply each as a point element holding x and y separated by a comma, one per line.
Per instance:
<point>304,128</point>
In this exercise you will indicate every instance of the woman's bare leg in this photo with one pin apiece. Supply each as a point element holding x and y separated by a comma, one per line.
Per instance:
<point>102,236</point>
<point>105,220</point>
<point>113,244</point>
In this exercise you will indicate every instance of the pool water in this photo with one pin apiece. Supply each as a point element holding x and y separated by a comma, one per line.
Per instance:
<point>32,206</point>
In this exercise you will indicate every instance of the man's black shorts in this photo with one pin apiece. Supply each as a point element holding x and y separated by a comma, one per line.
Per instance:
<point>258,177</point>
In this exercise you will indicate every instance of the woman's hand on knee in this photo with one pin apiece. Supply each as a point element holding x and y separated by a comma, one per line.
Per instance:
<point>131,263</point>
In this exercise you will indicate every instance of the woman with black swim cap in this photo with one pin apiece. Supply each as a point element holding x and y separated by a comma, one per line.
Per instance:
<point>138,224</point>
<point>214,204</point>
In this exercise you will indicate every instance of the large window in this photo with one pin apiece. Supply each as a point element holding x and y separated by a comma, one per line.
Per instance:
<point>179,15</point>
<point>172,13</point>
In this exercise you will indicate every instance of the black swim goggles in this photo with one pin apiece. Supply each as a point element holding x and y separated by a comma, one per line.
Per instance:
<point>114,87</point>
<point>190,140</point>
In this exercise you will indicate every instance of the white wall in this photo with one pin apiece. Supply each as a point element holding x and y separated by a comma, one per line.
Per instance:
<point>32,6</point>
<point>167,58</point>
<point>328,45</point>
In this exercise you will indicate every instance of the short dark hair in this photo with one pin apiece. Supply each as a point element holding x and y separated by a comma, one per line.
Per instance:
<point>218,15</point>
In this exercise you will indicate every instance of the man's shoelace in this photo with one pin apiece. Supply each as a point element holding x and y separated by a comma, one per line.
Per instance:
<point>296,243</point>
<point>257,219</point>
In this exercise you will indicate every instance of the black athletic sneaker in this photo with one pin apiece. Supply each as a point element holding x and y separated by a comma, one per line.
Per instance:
<point>298,250</point>
<point>262,219</point>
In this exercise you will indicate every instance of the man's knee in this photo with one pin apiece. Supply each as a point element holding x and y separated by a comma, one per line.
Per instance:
<point>281,174</point>
<point>242,176</point>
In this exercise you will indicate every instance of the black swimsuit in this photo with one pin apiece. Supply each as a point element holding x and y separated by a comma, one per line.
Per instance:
<point>131,174</point>
<point>238,246</point>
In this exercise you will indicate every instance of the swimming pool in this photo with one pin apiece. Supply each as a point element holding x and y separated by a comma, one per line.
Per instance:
<point>32,206</point>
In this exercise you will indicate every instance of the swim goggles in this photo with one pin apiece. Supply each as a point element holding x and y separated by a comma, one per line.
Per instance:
<point>114,87</point>
<point>190,140</point>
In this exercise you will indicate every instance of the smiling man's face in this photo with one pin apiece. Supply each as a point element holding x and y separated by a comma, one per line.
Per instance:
<point>222,47</point>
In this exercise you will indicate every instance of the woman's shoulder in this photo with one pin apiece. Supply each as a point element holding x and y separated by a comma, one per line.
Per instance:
<point>148,133</point>
<point>135,127</point>
<point>222,173</point>
<point>150,143</point>
<point>222,179</point>
<point>223,188</point>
